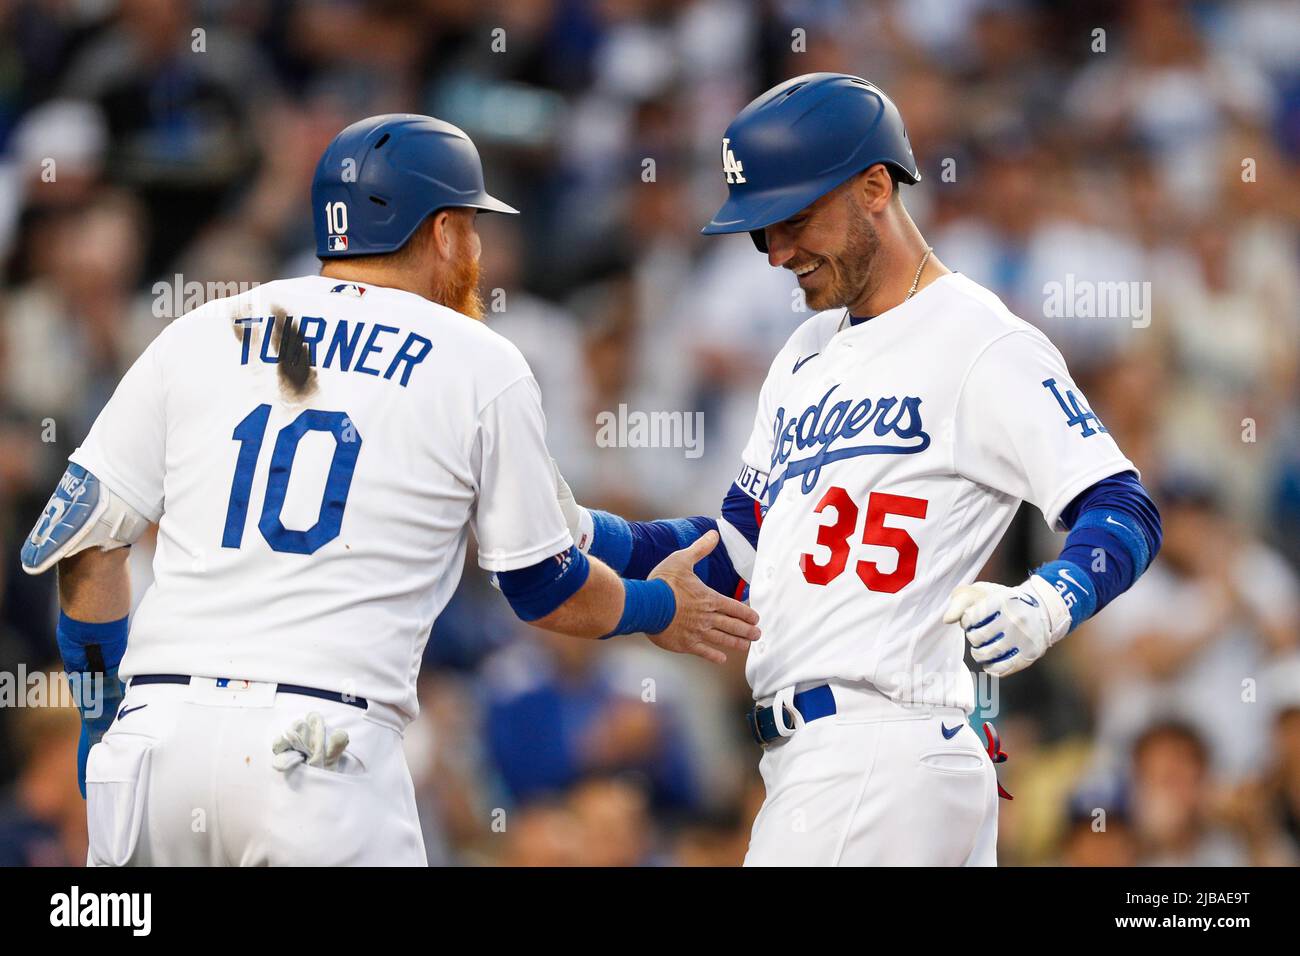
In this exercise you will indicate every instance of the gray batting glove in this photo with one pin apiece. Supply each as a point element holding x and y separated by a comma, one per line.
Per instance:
<point>307,741</point>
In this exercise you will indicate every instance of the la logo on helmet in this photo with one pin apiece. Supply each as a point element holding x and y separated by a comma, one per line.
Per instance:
<point>730,165</point>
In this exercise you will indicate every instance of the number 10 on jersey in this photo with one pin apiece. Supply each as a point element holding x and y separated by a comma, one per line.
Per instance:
<point>835,537</point>
<point>249,433</point>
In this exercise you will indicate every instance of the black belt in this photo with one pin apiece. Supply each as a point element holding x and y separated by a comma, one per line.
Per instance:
<point>812,704</point>
<point>279,688</point>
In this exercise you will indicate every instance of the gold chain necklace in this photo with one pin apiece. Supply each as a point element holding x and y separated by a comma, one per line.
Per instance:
<point>844,322</point>
<point>919,269</point>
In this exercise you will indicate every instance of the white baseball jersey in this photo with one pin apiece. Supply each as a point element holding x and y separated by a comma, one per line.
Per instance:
<point>892,456</point>
<point>313,537</point>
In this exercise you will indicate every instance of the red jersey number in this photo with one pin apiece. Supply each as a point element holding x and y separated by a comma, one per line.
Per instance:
<point>835,537</point>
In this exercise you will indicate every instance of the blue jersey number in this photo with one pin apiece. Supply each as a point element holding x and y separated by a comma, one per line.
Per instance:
<point>250,433</point>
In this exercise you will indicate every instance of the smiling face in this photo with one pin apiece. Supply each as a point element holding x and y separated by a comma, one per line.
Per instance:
<point>830,246</point>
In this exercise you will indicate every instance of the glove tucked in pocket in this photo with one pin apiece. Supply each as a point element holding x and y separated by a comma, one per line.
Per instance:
<point>117,780</point>
<point>309,742</point>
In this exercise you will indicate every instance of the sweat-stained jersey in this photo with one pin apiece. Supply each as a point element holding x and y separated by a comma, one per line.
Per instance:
<point>311,532</point>
<point>890,457</point>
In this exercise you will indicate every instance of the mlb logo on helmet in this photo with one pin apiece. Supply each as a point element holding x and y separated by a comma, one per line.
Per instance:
<point>338,243</point>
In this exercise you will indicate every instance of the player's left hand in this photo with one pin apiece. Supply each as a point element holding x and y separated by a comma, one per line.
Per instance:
<point>1009,628</point>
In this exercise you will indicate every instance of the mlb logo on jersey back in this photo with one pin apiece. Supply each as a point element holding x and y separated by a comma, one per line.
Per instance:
<point>349,288</point>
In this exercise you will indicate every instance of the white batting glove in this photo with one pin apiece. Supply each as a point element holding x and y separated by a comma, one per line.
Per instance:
<point>307,741</point>
<point>1009,628</point>
<point>576,516</point>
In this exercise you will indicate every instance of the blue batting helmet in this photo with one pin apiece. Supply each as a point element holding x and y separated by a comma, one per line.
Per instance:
<point>380,177</point>
<point>800,140</point>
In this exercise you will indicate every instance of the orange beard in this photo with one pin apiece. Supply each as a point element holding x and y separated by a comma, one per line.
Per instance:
<point>459,291</point>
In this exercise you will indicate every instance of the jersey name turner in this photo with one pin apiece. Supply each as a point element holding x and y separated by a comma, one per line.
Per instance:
<point>313,517</point>
<point>338,344</point>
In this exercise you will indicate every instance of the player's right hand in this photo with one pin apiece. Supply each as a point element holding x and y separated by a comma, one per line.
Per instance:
<point>707,624</point>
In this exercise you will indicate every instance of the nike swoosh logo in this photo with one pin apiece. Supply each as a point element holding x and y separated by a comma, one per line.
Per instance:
<point>1066,574</point>
<point>129,710</point>
<point>800,363</point>
<point>1110,520</point>
<point>1032,602</point>
<point>949,732</point>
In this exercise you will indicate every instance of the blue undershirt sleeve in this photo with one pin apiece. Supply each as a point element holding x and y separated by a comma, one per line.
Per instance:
<point>1114,535</point>
<point>634,548</point>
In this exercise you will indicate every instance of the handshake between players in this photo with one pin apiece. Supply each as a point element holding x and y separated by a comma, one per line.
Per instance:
<point>316,453</point>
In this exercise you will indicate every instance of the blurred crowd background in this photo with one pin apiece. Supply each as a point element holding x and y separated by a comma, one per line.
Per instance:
<point>145,144</point>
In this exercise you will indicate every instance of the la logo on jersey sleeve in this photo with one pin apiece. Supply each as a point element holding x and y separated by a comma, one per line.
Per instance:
<point>1076,413</point>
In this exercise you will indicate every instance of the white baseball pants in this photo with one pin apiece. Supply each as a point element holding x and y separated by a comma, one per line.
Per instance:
<point>184,778</point>
<point>876,784</point>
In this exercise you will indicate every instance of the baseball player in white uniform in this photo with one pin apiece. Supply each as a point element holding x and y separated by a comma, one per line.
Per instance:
<point>896,434</point>
<point>314,453</point>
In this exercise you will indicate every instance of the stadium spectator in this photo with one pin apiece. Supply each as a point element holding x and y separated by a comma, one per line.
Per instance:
<point>183,138</point>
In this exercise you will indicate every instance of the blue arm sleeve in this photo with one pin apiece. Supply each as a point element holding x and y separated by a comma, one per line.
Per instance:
<point>537,590</point>
<point>633,548</point>
<point>91,654</point>
<point>1114,536</point>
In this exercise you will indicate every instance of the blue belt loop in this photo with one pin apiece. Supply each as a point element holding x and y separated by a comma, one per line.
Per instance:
<point>812,704</point>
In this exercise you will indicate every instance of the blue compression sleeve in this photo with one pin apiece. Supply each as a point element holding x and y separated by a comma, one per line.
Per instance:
<point>643,544</point>
<point>537,590</point>
<point>611,539</point>
<point>633,548</point>
<point>91,655</point>
<point>1114,535</point>
<point>743,513</point>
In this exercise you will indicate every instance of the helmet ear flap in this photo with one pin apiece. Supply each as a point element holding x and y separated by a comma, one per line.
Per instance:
<point>760,239</point>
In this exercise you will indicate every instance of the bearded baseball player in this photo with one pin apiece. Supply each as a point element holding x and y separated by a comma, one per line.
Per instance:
<point>314,453</point>
<point>896,434</point>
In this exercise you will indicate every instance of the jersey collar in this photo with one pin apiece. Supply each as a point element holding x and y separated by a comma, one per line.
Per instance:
<point>848,321</point>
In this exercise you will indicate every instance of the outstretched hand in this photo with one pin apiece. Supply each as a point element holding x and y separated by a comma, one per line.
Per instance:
<point>707,624</point>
